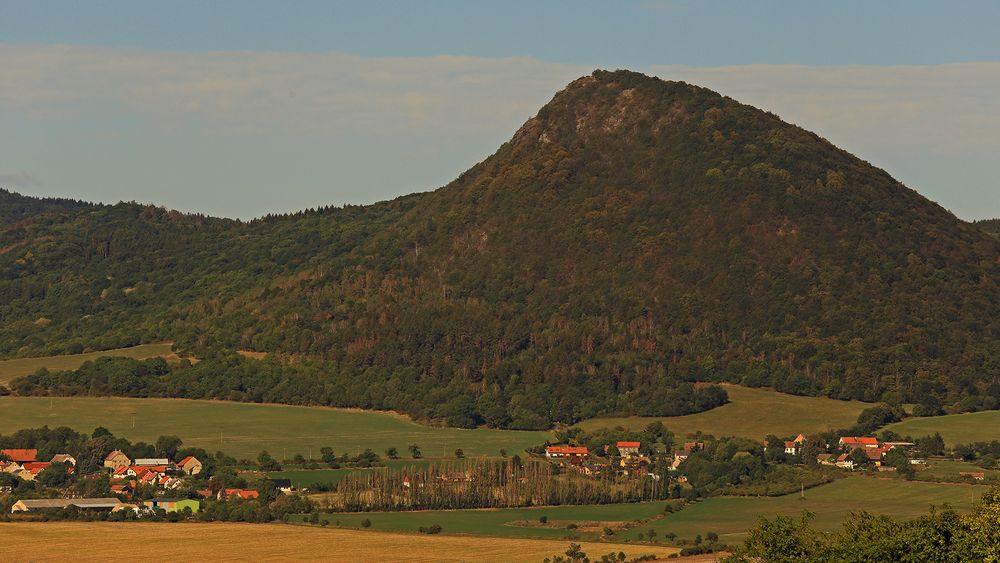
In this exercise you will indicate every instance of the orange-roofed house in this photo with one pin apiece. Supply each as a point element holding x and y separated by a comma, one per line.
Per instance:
<point>21,456</point>
<point>575,454</point>
<point>853,442</point>
<point>63,458</point>
<point>245,494</point>
<point>628,449</point>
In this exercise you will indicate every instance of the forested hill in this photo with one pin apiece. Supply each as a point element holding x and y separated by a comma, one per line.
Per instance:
<point>15,207</point>
<point>634,235</point>
<point>991,226</point>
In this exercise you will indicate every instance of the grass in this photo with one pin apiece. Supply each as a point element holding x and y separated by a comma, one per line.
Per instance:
<point>753,413</point>
<point>10,369</point>
<point>248,428</point>
<point>89,541</point>
<point>730,517</point>
<point>954,428</point>
<point>945,469</point>
<point>308,477</point>
<point>499,522</point>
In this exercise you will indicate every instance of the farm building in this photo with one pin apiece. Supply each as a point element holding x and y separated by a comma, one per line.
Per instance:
<point>852,442</point>
<point>37,505</point>
<point>173,504</point>
<point>152,462</point>
<point>283,485</point>
<point>63,458</point>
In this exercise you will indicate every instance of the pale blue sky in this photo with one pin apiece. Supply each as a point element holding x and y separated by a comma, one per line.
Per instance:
<point>243,108</point>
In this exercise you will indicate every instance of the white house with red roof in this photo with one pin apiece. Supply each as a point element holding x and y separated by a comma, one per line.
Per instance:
<point>628,449</point>
<point>573,453</point>
<point>852,442</point>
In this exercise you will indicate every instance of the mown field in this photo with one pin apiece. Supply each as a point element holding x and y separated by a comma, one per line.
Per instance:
<point>509,522</point>
<point>91,541</point>
<point>954,428</point>
<point>730,517</point>
<point>753,413</point>
<point>242,430</point>
<point>9,369</point>
<point>953,470</point>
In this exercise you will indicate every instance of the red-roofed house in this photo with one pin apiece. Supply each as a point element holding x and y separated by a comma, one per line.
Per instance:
<point>628,449</point>
<point>189,465</point>
<point>575,454</point>
<point>976,475</point>
<point>63,458</point>
<point>20,456</point>
<point>852,442</point>
<point>117,459</point>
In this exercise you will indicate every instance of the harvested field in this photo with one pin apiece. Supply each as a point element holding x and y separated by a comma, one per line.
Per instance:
<point>90,541</point>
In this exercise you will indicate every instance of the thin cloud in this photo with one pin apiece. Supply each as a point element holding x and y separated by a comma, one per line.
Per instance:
<point>19,180</point>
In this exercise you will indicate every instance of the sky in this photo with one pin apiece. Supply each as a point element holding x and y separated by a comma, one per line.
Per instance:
<point>245,108</point>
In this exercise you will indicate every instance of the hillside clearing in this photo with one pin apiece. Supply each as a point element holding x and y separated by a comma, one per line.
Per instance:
<point>954,428</point>
<point>752,413</point>
<point>242,430</point>
<point>10,369</point>
<point>88,541</point>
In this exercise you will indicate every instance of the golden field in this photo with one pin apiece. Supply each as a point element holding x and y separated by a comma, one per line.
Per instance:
<point>149,541</point>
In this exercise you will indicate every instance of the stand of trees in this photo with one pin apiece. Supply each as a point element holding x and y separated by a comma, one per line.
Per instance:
<point>520,404</point>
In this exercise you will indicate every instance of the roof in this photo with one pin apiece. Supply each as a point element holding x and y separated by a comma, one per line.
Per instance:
<point>574,450</point>
<point>167,499</point>
<point>64,502</point>
<point>791,444</point>
<point>20,455</point>
<point>187,459</point>
<point>242,493</point>
<point>628,444</point>
<point>114,454</point>
<point>36,466</point>
<point>859,441</point>
<point>152,461</point>
<point>281,483</point>
<point>61,458</point>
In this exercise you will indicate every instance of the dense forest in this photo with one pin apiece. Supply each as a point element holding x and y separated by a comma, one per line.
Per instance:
<point>634,236</point>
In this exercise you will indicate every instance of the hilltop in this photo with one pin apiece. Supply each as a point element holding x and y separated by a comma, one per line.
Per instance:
<point>635,236</point>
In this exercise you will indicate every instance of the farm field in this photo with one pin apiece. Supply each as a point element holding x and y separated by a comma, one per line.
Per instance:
<point>752,413</point>
<point>508,522</point>
<point>954,469</point>
<point>954,428</point>
<point>248,428</point>
<point>10,369</point>
<point>89,541</point>
<point>730,517</point>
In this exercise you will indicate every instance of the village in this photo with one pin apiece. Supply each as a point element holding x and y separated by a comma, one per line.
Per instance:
<point>177,486</point>
<point>127,479</point>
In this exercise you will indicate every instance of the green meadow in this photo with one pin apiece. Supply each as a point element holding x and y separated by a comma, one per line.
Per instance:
<point>753,413</point>
<point>954,428</point>
<point>242,430</point>
<point>730,517</point>
<point>10,369</point>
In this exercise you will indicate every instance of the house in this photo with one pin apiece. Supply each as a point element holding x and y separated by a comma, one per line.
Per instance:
<point>38,505</point>
<point>245,494</point>
<point>20,456</point>
<point>976,475</point>
<point>692,446</point>
<point>574,453</point>
<point>32,469</point>
<point>189,465</point>
<point>679,457</point>
<point>853,442</point>
<point>791,447</point>
<point>844,461</point>
<point>875,455</point>
<point>283,485</point>
<point>152,462</point>
<point>628,449</point>
<point>116,459</point>
<point>173,504</point>
<point>63,458</point>
<point>826,459</point>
